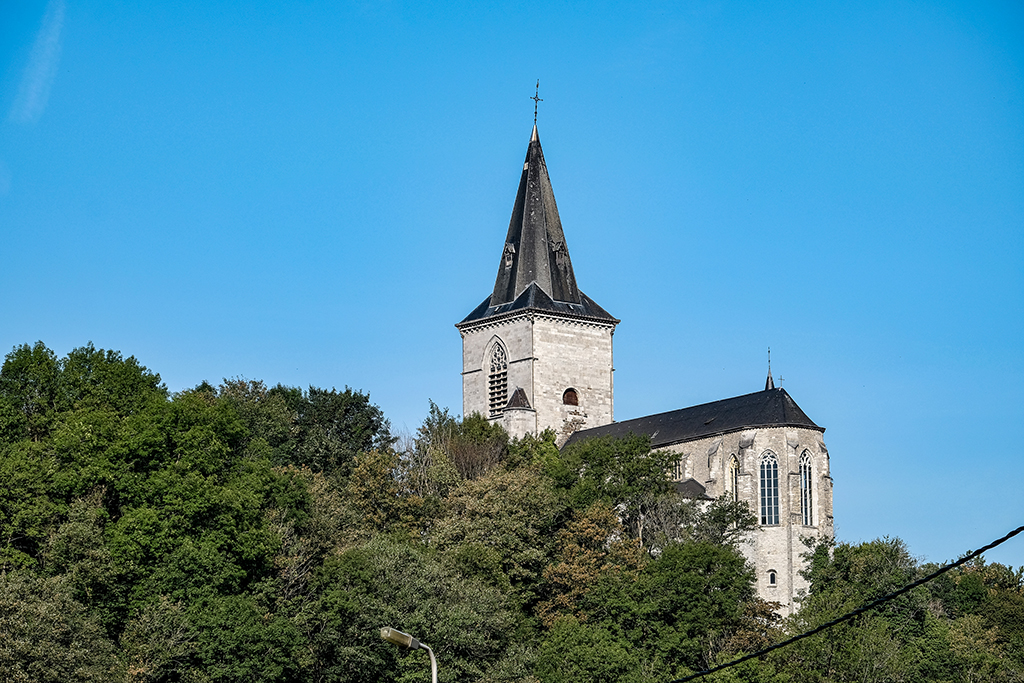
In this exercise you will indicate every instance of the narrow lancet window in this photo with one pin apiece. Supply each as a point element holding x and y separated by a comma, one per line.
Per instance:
<point>497,381</point>
<point>806,509</point>
<point>769,489</point>
<point>734,479</point>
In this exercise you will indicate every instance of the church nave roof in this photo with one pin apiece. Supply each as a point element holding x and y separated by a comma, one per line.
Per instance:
<point>769,408</point>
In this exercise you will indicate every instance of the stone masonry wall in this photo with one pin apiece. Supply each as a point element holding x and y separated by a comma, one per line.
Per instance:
<point>546,355</point>
<point>771,547</point>
<point>577,355</point>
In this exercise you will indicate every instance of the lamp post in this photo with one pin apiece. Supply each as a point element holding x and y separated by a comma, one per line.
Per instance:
<point>396,637</point>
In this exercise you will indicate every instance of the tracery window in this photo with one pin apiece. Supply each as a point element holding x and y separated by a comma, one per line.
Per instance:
<point>679,469</point>
<point>497,380</point>
<point>806,509</point>
<point>769,489</point>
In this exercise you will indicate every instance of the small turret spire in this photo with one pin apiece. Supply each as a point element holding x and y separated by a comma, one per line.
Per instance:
<point>769,383</point>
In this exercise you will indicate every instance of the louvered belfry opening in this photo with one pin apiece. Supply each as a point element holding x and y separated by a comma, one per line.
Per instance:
<point>497,381</point>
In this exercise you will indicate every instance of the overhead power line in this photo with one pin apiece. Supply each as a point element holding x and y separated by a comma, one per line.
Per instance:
<point>850,615</point>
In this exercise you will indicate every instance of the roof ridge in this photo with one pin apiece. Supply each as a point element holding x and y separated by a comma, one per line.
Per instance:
<point>756,410</point>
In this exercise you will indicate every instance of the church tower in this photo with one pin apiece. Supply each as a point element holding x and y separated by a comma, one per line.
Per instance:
<point>537,352</point>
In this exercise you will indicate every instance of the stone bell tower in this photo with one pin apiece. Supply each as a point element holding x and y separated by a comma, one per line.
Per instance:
<point>537,352</point>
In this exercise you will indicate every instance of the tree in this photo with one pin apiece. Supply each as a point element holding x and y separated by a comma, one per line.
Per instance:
<point>392,583</point>
<point>29,390</point>
<point>580,652</point>
<point>499,528</point>
<point>91,377</point>
<point>670,518</point>
<point>46,636</point>
<point>330,427</point>
<point>623,472</point>
<point>447,450</point>
<point>591,545</point>
<point>270,422</point>
<point>885,644</point>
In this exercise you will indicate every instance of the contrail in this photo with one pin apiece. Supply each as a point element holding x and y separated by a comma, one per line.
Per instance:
<point>42,67</point>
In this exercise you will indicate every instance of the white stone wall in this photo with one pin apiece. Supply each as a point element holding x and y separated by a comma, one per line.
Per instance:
<point>517,336</point>
<point>572,354</point>
<point>772,547</point>
<point>547,354</point>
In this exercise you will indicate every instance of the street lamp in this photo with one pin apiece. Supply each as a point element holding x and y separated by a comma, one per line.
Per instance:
<point>396,637</point>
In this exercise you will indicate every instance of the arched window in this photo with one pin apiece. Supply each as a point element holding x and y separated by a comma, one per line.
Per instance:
<point>734,478</point>
<point>769,489</point>
<point>570,397</point>
<point>497,380</point>
<point>773,578</point>
<point>805,490</point>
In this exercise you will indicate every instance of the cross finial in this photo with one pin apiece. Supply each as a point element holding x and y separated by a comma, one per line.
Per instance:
<point>536,100</point>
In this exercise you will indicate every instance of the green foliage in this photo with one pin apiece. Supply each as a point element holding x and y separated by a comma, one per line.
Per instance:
<point>622,472</point>
<point>335,425</point>
<point>29,390</point>
<point>27,510</point>
<point>447,451</point>
<point>46,636</point>
<point>244,533</point>
<point>320,429</point>
<point>578,652</point>
<point>238,640</point>
<point>391,583</point>
<point>668,517</point>
<point>499,527</point>
<point>159,643</point>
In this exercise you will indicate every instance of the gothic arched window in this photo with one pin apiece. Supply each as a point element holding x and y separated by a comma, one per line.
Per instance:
<point>497,380</point>
<point>769,489</point>
<point>805,490</point>
<point>734,478</point>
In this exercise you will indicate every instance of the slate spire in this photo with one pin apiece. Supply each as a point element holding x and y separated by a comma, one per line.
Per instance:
<point>535,272</point>
<point>535,249</point>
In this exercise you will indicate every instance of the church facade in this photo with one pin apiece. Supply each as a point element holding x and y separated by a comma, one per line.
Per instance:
<point>537,354</point>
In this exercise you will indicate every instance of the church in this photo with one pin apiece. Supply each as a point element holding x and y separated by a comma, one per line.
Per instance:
<point>537,354</point>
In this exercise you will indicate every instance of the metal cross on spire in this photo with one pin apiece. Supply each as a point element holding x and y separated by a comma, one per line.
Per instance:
<point>536,100</point>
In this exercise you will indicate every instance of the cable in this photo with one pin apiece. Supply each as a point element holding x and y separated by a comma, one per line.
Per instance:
<point>851,615</point>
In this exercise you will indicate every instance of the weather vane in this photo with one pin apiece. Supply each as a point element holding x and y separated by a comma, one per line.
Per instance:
<point>536,100</point>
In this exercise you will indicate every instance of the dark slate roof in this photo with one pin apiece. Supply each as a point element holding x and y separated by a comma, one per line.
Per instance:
<point>518,400</point>
<point>534,298</point>
<point>691,488</point>
<point>535,271</point>
<point>770,408</point>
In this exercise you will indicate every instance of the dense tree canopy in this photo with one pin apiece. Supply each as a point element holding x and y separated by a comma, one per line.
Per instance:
<point>245,533</point>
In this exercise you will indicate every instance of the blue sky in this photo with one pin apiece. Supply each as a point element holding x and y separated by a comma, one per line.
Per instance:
<point>314,193</point>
